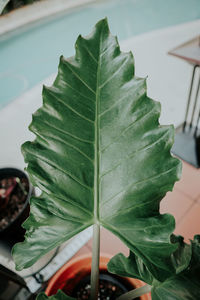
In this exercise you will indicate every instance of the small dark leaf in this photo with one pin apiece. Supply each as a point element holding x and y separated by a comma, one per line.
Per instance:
<point>59,296</point>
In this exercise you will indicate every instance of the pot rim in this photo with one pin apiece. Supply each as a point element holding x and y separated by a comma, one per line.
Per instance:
<point>69,264</point>
<point>104,258</point>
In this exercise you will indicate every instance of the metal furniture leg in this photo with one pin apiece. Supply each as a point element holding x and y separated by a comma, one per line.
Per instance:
<point>187,142</point>
<point>189,98</point>
<point>194,108</point>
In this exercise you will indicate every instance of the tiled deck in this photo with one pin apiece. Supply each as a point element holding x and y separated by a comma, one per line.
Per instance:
<point>186,210</point>
<point>183,202</point>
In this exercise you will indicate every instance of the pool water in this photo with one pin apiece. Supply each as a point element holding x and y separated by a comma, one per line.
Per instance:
<point>29,55</point>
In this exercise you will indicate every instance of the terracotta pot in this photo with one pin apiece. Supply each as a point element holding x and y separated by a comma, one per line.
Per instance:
<point>76,269</point>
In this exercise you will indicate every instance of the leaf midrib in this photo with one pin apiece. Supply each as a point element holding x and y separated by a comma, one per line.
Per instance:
<point>97,129</point>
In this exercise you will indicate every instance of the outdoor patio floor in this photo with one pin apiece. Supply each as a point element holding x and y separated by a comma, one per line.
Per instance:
<point>183,203</point>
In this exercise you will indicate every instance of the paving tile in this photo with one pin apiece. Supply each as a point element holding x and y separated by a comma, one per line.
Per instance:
<point>198,200</point>
<point>110,244</point>
<point>190,224</point>
<point>190,181</point>
<point>176,203</point>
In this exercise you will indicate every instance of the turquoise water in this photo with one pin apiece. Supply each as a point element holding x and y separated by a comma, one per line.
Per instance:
<point>28,56</point>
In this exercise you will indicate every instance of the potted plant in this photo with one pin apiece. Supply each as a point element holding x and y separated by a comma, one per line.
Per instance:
<point>101,158</point>
<point>15,193</point>
<point>74,279</point>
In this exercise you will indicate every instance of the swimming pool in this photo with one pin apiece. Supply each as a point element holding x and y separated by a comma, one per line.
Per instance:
<point>29,55</point>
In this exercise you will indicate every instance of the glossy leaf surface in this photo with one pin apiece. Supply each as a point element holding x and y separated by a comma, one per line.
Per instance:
<point>184,285</point>
<point>100,156</point>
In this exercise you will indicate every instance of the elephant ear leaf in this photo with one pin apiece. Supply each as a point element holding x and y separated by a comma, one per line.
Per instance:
<point>99,157</point>
<point>59,296</point>
<point>131,266</point>
<point>184,285</point>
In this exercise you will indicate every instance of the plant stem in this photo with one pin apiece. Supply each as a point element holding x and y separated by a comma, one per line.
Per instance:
<point>135,293</point>
<point>95,262</point>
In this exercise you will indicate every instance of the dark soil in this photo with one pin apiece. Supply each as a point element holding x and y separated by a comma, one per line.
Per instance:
<point>109,288</point>
<point>13,194</point>
<point>107,291</point>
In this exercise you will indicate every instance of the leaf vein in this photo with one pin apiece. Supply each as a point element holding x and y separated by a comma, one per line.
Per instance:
<point>114,74</point>
<point>90,53</point>
<point>82,95</point>
<point>70,145</point>
<point>70,108</point>
<point>106,50</point>
<point>130,208</point>
<point>65,132</point>
<point>134,153</point>
<point>78,77</point>
<point>127,128</point>
<point>121,99</point>
<point>74,203</point>
<point>61,170</point>
<point>139,182</point>
<point>59,216</point>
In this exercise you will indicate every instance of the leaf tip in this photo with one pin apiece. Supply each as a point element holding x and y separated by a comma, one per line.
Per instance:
<point>103,25</point>
<point>62,59</point>
<point>44,89</point>
<point>197,238</point>
<point>24,148</point>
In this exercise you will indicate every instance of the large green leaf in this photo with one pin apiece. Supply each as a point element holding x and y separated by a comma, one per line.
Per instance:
<point>185,285</point>
<point>100,156</point>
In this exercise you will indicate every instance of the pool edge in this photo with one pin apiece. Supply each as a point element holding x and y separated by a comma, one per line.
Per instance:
<point>37,11</point>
